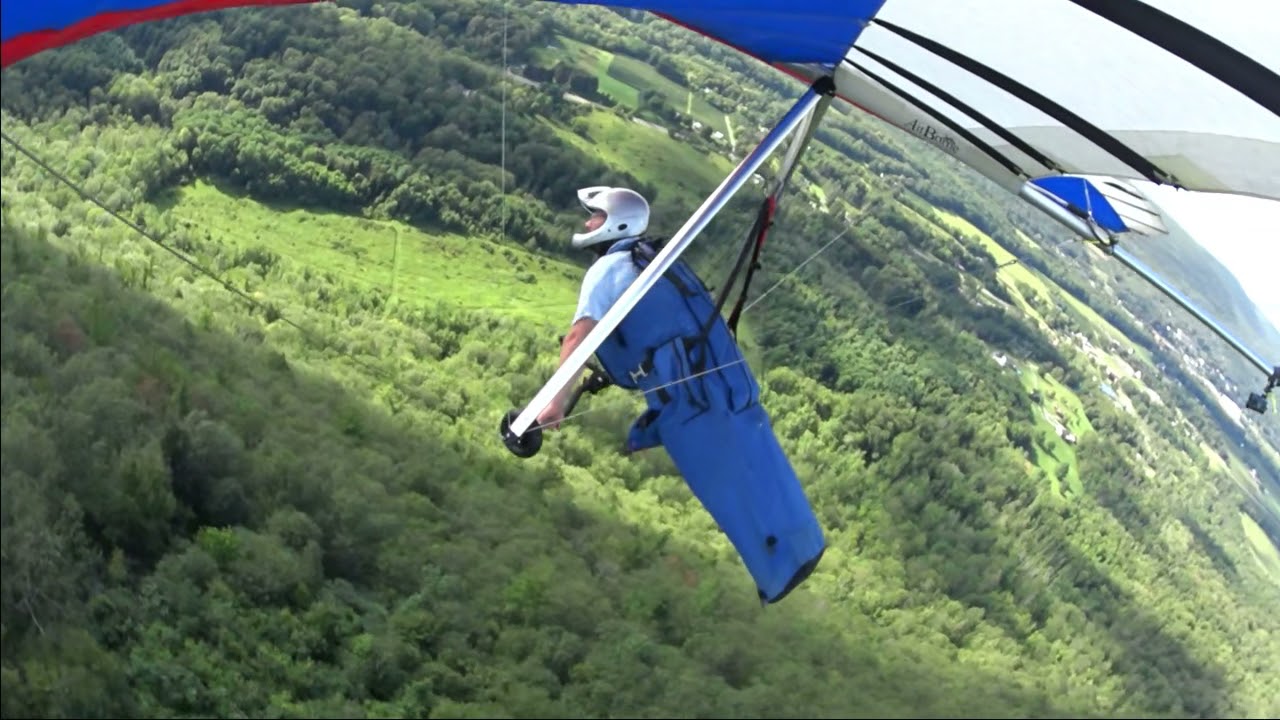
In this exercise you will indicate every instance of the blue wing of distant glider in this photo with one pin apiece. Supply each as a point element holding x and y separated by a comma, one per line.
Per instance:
<point>1083,196</point>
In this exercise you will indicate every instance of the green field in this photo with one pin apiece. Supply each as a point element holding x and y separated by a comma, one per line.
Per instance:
<point>649,154</point>
<point>1052,452</point>
<point>1264,551</point>
<point>1018,278</point>
<point>622,77</point>
<point>641,76</point>
<point>1084,316</point>
<point>411,265</point>
<point>1014,275</point>
<point>1060,402</point>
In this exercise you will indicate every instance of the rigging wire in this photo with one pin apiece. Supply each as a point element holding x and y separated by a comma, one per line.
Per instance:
<point>309,334</point>
<point>503,81</point>
<point>374,370</point>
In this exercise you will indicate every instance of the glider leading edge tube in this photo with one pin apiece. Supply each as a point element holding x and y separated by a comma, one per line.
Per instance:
<point>513,430</point>
<point>1042,200</point>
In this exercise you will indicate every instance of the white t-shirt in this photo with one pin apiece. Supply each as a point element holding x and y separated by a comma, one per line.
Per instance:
<point>604,283</point>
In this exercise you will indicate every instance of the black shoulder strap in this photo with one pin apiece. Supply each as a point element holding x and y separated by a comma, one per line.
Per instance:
<point>645,249</point>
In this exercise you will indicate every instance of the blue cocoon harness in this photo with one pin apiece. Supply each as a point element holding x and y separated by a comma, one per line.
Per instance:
<point>704,408</point>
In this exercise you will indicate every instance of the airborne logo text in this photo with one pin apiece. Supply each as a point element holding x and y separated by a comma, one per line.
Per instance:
<point>930,133</point>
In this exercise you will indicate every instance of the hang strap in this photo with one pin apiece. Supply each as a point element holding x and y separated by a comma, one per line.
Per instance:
<point>764,221</point>
<point>755,238</point>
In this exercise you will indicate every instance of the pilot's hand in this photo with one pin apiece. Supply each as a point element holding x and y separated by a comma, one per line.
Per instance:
<point>551,416</point>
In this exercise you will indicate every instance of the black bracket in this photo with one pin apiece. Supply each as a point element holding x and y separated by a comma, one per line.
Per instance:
<point>595,381</point>
<point>522,446</point>
<point>1257,402</point>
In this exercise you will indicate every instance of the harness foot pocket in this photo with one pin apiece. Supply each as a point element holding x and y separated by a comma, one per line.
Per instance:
<point>644,433</point>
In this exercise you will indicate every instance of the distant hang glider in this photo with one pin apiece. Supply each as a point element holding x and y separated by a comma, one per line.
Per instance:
<point>1061,102</point>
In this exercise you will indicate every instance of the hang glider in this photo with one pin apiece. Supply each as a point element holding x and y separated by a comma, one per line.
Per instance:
<point>1065,103</point>
<point>1175,92</point>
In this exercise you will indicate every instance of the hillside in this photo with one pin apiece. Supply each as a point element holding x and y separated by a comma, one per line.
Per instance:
<point>1185,264</point>
<point>1203,377</point>
<point>251,465</point>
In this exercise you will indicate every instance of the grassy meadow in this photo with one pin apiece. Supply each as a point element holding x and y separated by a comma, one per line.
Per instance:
<point>410,265</point>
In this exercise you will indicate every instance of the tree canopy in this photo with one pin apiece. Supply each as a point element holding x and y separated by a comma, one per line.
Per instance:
<point>280,492</point>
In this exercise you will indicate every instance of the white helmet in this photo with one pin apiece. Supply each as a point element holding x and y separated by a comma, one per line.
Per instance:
<point>626,214</point>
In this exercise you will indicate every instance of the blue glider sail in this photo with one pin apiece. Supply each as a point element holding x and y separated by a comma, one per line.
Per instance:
<point>28,27</point>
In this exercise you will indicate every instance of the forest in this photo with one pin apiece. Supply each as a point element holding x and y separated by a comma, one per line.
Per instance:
<point>271,277</point>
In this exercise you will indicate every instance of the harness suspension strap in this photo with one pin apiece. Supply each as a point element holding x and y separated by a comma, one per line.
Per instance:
<point>755,239</point>
<point>771,204</point>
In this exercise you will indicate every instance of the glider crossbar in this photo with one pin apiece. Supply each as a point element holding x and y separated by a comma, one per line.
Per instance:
<point>715,202</point>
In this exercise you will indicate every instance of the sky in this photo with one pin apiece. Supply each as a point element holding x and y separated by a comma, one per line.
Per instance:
<point>1242,232</point>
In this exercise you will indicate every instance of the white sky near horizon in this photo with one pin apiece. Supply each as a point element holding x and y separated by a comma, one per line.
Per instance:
<point>1242,232</point>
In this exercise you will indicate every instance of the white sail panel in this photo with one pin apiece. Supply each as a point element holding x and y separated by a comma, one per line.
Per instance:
<point>1204,133</point>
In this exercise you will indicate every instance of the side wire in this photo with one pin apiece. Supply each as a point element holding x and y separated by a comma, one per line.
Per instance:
<point>375,371</point>
<point>753,303</point>
<point>503,170</point>
<point>316,339</point>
